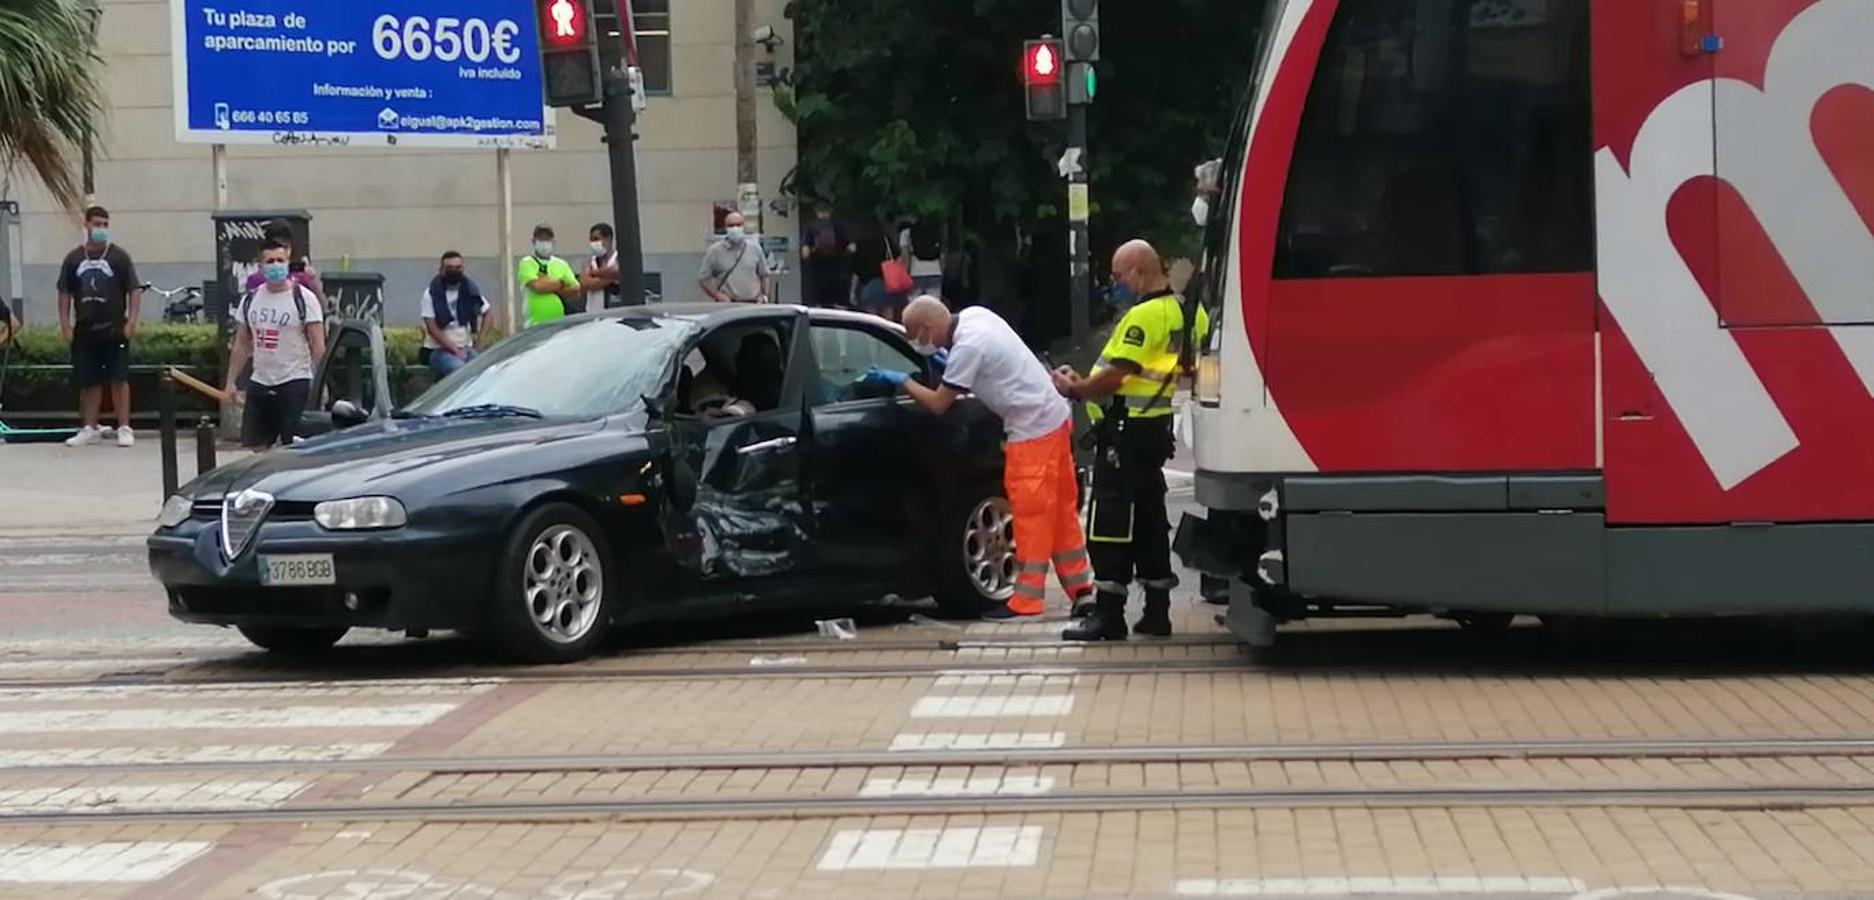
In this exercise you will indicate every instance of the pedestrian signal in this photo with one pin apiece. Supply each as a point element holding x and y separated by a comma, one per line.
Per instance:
<point>1044,80</point>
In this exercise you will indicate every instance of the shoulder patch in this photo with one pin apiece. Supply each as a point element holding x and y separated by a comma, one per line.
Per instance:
<point>1134,337</point>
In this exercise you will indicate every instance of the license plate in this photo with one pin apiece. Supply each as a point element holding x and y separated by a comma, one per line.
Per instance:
<point>296,571</point>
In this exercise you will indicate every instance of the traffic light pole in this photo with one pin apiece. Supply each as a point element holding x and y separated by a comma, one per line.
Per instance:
<point>620,121</point>
<point>1079,240</point>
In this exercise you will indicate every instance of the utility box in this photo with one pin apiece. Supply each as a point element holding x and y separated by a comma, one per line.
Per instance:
<point>240,235</point>
<point>354,296</point>
<point>12,258</point>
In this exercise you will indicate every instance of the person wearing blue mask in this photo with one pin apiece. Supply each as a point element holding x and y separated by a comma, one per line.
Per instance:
<point>281,329</point>
<point>99,295</point>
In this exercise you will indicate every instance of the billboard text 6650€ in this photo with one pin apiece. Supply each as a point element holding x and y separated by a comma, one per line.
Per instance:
<point>449,73</point>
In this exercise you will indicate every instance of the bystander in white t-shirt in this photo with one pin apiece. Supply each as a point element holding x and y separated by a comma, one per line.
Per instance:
<point>989,359</point>
<point>458,334</point>
<point>281,352</point>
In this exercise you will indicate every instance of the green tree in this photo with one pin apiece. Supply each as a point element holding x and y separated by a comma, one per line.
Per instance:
<point>49,89</point>
<point>915,107</point>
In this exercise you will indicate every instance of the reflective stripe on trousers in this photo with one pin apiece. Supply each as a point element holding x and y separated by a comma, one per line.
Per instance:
<point>1044,496</point>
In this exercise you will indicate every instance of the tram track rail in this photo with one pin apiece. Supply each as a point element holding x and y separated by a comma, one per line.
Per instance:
<point>1420,751</point>
<point>1767,796</point>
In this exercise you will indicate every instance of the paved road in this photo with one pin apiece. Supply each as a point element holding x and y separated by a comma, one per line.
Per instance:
<point>753,758</point>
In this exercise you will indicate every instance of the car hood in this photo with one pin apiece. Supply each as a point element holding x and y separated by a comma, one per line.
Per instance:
<point>387,457</point>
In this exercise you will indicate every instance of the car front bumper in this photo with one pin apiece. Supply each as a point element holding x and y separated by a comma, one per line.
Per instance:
<point>406,578</point>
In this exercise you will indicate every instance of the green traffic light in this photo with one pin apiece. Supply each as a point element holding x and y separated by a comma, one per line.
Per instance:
<point>1093,82</point>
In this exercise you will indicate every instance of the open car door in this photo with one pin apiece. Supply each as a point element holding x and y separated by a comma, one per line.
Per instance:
<point>352,385</point>
<point>738,504</point>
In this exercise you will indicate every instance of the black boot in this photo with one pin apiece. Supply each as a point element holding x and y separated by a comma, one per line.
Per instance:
<point>1084,606</point>
<point>1156,622</point>
<point>1107,623</point>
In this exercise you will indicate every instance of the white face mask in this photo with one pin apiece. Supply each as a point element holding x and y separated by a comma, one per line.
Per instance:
<point>598,248</point>
<point>1200,211</point>
<point>736,233</point>
<point>925,349</point>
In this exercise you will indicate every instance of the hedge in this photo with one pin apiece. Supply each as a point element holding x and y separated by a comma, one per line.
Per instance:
<point>188,347</point>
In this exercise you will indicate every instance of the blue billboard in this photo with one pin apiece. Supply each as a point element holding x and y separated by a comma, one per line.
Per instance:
<point>426,73</point>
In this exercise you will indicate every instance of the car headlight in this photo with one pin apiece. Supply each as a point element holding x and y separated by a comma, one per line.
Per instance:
<point>360,514</point>
<point>176,510</point>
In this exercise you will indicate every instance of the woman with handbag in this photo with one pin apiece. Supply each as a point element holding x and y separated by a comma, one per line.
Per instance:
<point>885,280</point>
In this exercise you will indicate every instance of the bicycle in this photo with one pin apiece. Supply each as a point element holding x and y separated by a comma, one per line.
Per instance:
<point>184,311</point>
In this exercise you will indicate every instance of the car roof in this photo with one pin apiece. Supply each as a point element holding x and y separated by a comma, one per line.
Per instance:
<point>713,314</point>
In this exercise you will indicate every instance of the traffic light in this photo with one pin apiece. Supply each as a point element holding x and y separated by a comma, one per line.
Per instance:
<point>1044,80</point>
<point>569,53</point>
<point>1080,21</point>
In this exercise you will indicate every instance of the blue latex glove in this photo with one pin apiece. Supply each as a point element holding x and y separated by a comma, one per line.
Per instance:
<point>941,359</point>
<point>886,376</point>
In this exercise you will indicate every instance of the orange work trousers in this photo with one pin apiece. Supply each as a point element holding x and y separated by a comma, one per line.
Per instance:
<point>1044,496</point>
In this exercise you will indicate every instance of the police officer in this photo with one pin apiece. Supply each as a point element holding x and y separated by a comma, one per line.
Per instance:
<point>1129,395</point>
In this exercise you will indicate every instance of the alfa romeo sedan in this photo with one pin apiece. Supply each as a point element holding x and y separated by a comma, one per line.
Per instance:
<point>660,462</point>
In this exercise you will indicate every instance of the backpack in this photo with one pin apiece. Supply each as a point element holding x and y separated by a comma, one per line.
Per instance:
<point>825,239</point>
<point>299,302</point>
<point>925,244</point>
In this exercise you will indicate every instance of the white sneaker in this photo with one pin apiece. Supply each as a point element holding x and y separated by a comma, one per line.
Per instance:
<point>84,438</point>
<point>126,438</point>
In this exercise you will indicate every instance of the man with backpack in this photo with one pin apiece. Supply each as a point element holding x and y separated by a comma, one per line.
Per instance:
<point>923,251</point>
<point>828,251</point>
<point>281,329</point>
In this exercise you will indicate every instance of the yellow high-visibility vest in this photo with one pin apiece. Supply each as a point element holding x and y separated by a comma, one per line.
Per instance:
<point>1151,336</point>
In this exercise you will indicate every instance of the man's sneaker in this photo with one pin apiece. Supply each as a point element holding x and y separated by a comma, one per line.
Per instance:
<point>126,438</point>
<point>1003,614</point>
<point>84,438</point>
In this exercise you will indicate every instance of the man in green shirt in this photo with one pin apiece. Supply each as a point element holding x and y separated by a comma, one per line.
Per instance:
<point>546,280</point>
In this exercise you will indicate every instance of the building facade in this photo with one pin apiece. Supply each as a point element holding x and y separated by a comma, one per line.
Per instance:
<point>395,210</point>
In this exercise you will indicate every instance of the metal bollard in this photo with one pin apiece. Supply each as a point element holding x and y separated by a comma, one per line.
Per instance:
<point>166,408</point>
<point>204,446</point>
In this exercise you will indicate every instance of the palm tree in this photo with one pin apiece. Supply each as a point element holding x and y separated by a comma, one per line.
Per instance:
<point>50,89</point>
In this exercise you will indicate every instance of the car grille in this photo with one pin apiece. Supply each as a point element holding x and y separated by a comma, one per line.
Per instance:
<point>282,602</point>
<point>241,515</point>
<point>206,508</point>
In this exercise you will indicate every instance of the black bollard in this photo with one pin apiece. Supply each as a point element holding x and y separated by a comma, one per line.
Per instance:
<point>204,446</point>
<point>166,397</point>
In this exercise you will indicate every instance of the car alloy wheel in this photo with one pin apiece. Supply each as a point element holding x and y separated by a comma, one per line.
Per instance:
<point>989,548</point>
<point>564,584</point>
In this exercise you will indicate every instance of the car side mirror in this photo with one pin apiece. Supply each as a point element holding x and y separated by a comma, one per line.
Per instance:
<point>345,414</point>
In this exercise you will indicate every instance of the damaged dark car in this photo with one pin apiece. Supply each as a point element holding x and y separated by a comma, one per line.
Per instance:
<point>653,463</point>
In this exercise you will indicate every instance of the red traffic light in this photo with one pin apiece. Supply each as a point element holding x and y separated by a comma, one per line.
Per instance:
<point>563,22</point>
<point>1043,62</point>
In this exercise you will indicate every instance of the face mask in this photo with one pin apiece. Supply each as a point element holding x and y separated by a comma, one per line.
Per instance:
<point>452,278</point>
<point>736,233</point>
<point>925,349</point>
<point>543,249</point>
<point>598,248</point>
<point>1121,295</point>
<point>275,272</point>
<point>99,235</point>
<point>1200,211</point>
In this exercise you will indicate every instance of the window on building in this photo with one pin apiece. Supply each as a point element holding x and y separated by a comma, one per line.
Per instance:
<point>1444,137</point>
<point>650,22</point>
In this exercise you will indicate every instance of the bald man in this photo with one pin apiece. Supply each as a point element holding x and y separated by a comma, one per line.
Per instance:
<point>1129,396</point>
<point>987,358</point>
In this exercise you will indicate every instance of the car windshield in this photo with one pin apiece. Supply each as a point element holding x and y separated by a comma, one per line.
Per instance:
<point>583,369</point>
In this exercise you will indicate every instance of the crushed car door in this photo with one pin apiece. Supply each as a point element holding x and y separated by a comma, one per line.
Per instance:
<point>736,507</point>
<point>352,385</point>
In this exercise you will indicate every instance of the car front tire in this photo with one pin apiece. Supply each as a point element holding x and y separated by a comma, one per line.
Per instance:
<point>293,641</point>
<point>552,602</point>
<point>974,560</point>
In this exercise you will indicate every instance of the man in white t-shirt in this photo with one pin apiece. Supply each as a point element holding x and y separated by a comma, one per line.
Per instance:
<point>987,358</point>
<point>453,309</point>
<point>282,330</point>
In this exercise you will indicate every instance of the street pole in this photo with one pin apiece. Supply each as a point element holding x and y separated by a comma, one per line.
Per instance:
<point>747,164</point>
<point>1079,238</point>
<point>504,243</point>
<point>620,121</point>
<point>218,161</point>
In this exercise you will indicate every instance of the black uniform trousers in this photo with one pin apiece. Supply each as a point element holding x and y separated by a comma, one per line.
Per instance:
<point>1128,526</point>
